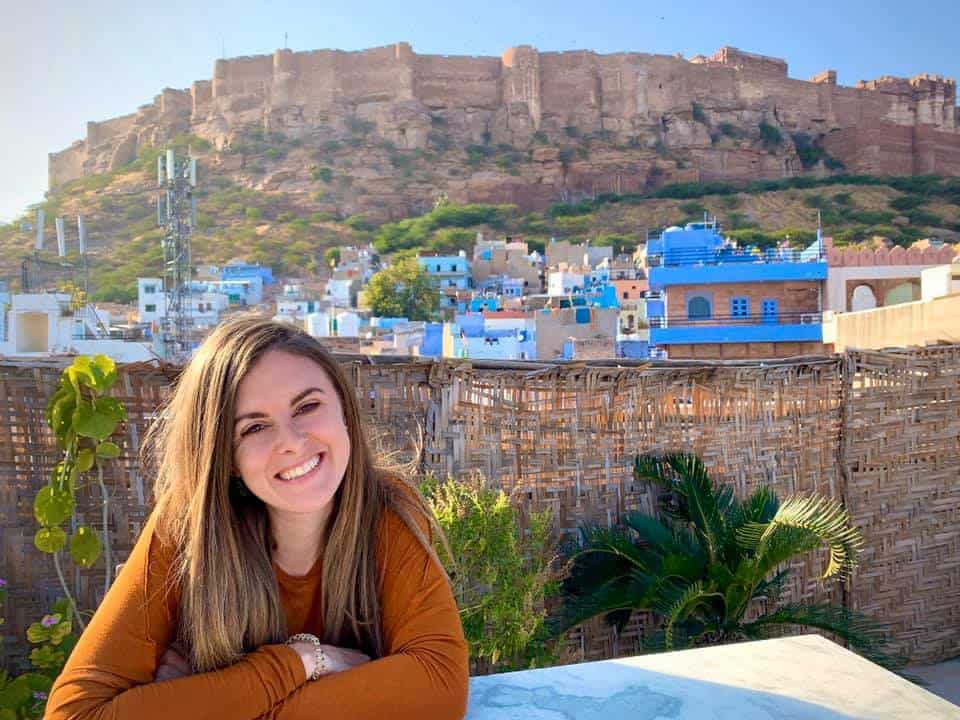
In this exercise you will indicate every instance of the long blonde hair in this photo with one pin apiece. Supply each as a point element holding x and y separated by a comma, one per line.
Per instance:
<point>223,572</point>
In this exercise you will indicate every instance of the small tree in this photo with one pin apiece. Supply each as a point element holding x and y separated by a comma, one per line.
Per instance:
<point>332,256</point>
<point>501,573</point>
<point>403,290</point>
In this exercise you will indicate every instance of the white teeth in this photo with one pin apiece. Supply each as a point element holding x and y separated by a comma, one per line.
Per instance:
<point>299,470</point>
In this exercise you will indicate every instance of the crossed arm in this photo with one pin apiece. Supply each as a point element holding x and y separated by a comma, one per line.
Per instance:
<point>423,674</point>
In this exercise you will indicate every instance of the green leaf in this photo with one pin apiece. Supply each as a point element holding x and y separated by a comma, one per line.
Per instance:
<point>61,413</point>
<point>108,450</point>
<point>37,633</point>
<point>60,631</point>
<point>52,506</point>
<point>90,423</point>
<point>47,658</point>
<point>113,408</point>
<point>85,459</point>
<point>50,539</point>
<point>108,368</point>
<point>84,547</point>
<point>16,694</point>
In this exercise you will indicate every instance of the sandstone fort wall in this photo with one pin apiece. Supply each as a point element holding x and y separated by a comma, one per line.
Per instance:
<point>887,125</point>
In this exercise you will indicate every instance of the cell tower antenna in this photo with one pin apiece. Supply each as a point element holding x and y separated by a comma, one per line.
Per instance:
<point>177,181</point>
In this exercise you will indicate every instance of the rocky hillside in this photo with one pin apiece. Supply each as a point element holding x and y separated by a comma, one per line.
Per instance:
<point>249,212</point>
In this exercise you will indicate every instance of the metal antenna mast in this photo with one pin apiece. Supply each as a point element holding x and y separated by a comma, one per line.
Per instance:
<point>176,213</point>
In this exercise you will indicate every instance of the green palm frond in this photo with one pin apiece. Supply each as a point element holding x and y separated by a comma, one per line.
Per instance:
<point>760,507</point>
<point>700,501</point>
<point>696,595</point>
<point>806,518</point>
<point>864,634</point>
<point>673,538</point>
<point>606,598</point>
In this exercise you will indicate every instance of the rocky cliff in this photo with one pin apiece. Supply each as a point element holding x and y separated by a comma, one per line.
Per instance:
<point>381,131</point>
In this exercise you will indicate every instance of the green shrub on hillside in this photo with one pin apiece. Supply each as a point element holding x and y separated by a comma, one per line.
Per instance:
<point>698,114</point>
<point>321,173</point>
<point>907,202</point>
<point>770,136</point>
<point>415,232</point>
<point>808,149</point>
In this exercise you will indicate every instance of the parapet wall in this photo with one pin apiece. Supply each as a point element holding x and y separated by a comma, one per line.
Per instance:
<point>876,429</point>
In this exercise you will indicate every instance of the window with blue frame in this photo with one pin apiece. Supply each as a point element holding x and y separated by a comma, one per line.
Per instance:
<point>698,308</point>
<point>739,307</point>
<point>770,309</point>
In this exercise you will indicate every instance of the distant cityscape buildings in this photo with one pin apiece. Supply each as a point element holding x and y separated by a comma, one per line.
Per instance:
<point>689,292</point>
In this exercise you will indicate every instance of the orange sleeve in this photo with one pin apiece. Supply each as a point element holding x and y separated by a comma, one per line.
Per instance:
<point>109,675</point>
<point>424,672</point>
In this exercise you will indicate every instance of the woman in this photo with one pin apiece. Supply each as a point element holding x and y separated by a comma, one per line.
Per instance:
<point>280,575</point>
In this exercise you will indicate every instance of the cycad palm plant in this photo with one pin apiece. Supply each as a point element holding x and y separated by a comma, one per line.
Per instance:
<point>709,559</point>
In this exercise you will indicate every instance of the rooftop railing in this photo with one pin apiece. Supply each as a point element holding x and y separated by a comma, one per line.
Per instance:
<point>718,256</point>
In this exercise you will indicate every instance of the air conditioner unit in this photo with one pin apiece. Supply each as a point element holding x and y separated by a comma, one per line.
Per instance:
<point>810,319</point>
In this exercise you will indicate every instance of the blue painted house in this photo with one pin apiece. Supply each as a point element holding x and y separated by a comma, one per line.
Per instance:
<point>450,274</point>
<point>240,271</point>
<point>710,298</point>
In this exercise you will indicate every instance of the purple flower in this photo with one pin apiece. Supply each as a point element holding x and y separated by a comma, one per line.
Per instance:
<point>50,620</point>
<point>3,583</point>
<point>37,695</point>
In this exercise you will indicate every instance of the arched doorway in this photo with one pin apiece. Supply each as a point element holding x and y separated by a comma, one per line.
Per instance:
<point>863,298</point>
<point>698,308</point>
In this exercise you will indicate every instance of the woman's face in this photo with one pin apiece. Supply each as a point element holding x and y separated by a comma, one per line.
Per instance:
<point>291,445</point>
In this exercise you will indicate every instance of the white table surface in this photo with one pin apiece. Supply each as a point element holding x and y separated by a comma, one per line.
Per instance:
<point>794,678</point>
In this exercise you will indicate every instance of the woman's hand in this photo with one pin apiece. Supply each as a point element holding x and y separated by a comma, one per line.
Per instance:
<point>173,664</point>
<point>338,659</point>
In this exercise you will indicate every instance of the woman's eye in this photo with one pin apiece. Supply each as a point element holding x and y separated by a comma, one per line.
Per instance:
<point>256,427</point>
<point>307,407</point>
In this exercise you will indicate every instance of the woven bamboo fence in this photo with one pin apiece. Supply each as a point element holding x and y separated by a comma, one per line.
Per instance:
<point>880,430</point>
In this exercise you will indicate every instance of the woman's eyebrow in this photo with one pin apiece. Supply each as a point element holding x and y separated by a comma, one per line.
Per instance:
<point>293,401</point>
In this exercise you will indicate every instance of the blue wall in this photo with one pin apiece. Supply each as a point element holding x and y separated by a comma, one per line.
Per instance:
<point>661,277</point>
<point>633,349</point>
<point>234,272</point>
<point>692,334</point>
<point>432,345</point>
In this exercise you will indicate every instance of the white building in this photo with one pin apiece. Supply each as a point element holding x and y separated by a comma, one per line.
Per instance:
<point>42,324</point>
<point>340,292</point>
<point>151,300</point>
<point>333,322</point>
<point>206,308</point>
<point>939,280</point>
<point>347,324</point>
<point>564,282</point>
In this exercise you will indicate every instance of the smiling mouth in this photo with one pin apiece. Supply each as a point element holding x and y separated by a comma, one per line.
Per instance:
<point>295,473</point>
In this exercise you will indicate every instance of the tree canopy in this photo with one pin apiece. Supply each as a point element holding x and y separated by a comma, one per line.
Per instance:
<point>403,290</point>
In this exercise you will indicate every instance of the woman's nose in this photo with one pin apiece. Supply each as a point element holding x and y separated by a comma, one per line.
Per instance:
<point>291,436</point>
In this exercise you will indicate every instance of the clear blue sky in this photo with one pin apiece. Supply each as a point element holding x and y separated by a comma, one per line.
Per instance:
<point>64,63</point>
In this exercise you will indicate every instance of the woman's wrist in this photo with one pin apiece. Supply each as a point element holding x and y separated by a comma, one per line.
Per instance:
<point>307,656</point>
<point>312,654</point>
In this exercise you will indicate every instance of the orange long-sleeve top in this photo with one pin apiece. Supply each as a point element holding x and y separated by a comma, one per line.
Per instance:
<point>423,673</point>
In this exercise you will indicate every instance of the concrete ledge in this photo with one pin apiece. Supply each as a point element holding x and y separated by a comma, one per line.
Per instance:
<point>805,677</point>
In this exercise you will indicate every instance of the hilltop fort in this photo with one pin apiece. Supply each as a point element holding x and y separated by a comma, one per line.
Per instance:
<point>644,119</point>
